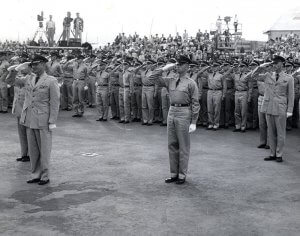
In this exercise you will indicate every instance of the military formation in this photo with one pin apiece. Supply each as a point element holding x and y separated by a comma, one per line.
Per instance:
<point>179,92</point>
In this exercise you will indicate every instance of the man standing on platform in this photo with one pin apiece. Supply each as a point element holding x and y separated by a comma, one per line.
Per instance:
<point>50,29</point>
<point>78,27</point>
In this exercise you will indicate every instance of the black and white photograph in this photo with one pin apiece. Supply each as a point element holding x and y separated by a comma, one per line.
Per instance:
<point>150,117</point>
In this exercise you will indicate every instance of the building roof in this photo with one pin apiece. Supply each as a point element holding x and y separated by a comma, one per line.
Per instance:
<point>288,22</point>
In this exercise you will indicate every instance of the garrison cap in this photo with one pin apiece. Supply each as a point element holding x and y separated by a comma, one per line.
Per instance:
<point>278,58</point>
<point>38,59</point>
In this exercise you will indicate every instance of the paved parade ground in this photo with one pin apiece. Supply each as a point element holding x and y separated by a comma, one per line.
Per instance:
<point>108,179</point>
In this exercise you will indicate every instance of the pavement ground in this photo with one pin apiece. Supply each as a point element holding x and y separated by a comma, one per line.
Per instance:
<point>108,179</point>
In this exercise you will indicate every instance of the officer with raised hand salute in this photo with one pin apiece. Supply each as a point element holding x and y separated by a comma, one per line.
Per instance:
<point>182,117</point>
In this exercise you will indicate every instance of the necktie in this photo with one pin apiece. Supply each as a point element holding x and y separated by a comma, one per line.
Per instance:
<point>177,82</point>
<point>37,79</point>
<point>277,76</point>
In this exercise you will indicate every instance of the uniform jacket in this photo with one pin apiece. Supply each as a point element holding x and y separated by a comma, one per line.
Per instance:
<point>41,103</point>
<point>279,95</point>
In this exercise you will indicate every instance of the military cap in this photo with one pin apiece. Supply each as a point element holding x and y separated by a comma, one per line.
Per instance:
<point>172,60</point>
<point>183,60</point>
<point>204,63</point>
<point>288,64</point>
<point>226,63</point>
<point>194,63</point>
<point>138,63</point>
<point>254,63</point>
<point>38,59</point>
<point>278,58</point>
<point>296,64</point>
<point>54,54</point>
<point>243,63</point>
<point>93,56</point>
<point>150,61</point>
<point>80,56</point>
<point>70,57</point>
<point>215,64</point>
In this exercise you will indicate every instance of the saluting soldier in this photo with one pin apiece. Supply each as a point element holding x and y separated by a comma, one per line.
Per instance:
<point>91,92</point>
<point>229,98</point>
<point>278,104</point>
<point>68,79</point>
<point>215,95</point>
<point>128,87</point>
<point>102,91</point>
<point>4,64</point>
<point>136,94</point>
<point>243,91</point>
<point>182,117</point>
<point>39,115</point>
<point>80,72</point>
<point>114,92</point>
<point>148,90</point>
<point>17,77</point>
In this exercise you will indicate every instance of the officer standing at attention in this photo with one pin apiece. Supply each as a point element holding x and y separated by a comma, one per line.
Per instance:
<point>182,117</point>
<point>39,115</point>
<point>278,104</point>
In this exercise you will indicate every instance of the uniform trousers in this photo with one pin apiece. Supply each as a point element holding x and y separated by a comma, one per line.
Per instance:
<point>121,104</point>
<point>102,101</point>
<point>263,128</point>
<point>165,104</point>
<point>179,119</point>
<point>127,104</point>
<point>78,96</point>
<point>92,90</point>
<point>136,102</point>
<point>114,101</point>
<point>276,133</point>
<point>3,97</point>
<point>241,109</point>
<point>23,138</point>
<point>203,116</point>
<point>214,99</point>
<point>67,94</point>
<point>148,104</point>
<point>229,107</point>
<point>39,146</point>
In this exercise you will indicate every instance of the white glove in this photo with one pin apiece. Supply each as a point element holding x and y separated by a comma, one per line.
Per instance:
<point>168,66</point>
<point>96,84</point>
<point>59,84</point>
<point>192,128</point>
<point>289,114</point>
<point>86,87</point>
<point>8,86</point>
<point>52,126</point>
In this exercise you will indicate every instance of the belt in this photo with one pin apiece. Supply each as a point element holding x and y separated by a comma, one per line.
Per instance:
<point>104,85</point>
<point>126,86</point>
<point>137,85</point>
<point>115,85</point>
<point>241,90</point>
<point>215,89</point>
<point>180,105</point>
<point>205,87</point>
<point>80,79</point>
<point>148,85</point>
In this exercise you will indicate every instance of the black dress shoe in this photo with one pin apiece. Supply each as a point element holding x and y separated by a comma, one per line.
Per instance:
<point>149,124</point>
<point>127,122</point>
<point>215,129</point>
<point>270,158</point>
<point>163,124</point>
<point>19,159</point>
<point>100,119</point>
<point>134,120</point>
<point>138,120</point>
<point>113,118</point>
<point>180,181</point>
<point>121,121</point>
<point>4,111</point>
<point>32,181</point>
<point>261,146</point>
<point>171,180</point>
<point>76,115</point>
<point>25,159</point>
<point>209,128</point>
<point>226,126</point>
<point>144,123</point>
<point>43,182</point>
<point>279,159</point>
<point>243,130</point>
<point>267,147</point>
<point>236,130</point>
<point>104,119</point>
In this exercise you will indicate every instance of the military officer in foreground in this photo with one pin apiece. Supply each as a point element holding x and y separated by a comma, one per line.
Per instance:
<point>278,104</point>
<point>39,115</point>
<point>182,117</point>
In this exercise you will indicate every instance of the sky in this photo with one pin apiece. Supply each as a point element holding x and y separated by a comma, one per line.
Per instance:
<point>104,19</point>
